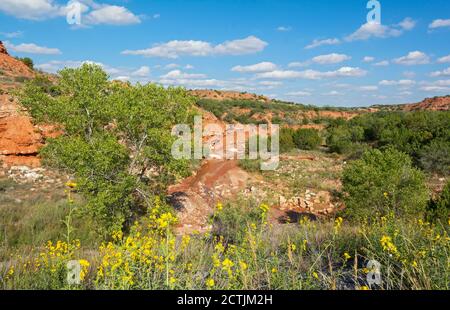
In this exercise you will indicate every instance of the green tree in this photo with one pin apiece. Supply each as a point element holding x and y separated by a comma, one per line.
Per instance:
<point>382,182</point>
<point>117,139</point>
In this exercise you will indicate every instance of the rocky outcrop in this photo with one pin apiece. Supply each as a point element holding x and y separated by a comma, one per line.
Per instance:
<point>227,95</point>
<point>430,104</point>
<point>3,49</point>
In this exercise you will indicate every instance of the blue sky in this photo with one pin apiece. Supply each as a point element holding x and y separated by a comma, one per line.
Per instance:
<point>316,52</point>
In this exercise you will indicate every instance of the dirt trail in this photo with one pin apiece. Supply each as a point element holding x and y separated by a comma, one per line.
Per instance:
<point>196,197</point>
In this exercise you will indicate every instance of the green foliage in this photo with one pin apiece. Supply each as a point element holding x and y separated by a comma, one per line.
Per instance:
<point>435,157</point>
<point>117,139</point>
<point>423,135</point>
<point>439,209</point>
<point>307,138</point>
<point>286,140</point>
<point>27,61</point>
<point>382,182</point>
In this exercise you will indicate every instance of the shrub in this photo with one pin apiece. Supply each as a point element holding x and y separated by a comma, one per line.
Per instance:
<point>435,157</point>
<point>439,209</point>
<point>382,182</point>
<point>286,140</point>
<point>307,139</point>
<point>27,61</point>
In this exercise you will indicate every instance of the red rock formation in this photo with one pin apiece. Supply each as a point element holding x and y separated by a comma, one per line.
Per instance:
<point>430,104</point>
<point>3,49</point>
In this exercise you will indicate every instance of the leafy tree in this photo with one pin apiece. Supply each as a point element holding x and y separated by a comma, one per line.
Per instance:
<point>307,138</point>
<point>117,139</point>
<point>382,182</point>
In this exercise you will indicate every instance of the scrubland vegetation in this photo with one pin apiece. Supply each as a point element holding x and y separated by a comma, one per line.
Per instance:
<point>117,148</point>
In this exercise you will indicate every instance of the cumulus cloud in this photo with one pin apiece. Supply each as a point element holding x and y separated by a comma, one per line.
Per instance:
<point>444,59</point>
<point>316,43</point>
<point>259,67</point>
<point>445,72</point>
<point>382,63</point>
<point>176,48</point>
<point>12,35</point>
<point>298,94</point>
<point>330,59</point>
<point>31,9</point>
<point>297,64</point>
<point>409,74</point>
<point>124,74</point>
<point>312,74</point>
<point>413,58</point>
<point>368,88</point>
<point>404,83</point>
<point>111,15</point>
<point>368,59</point>
<point>369,30</point>
<point>439,23</point>
<point>31,48</point>
<point>92,13</point>
<point>284,28</point>
<point>142,71</point>
<point>178,74</point>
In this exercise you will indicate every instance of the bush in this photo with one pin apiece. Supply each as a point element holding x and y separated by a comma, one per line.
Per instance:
<point>439,209</point>
<point>382,182</point>
<point>27,61</point>
<point>435,157</point>
<point>286,140</point>
<point>307,139</point>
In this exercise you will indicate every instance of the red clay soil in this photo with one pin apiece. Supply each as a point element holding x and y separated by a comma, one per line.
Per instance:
<point>11,66</point>
<point>196,197</point>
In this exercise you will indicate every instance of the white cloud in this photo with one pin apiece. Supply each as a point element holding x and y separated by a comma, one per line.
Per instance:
<point>404,83</point>
<point>189,67</point>
<point>445,72</point>
<point>176,48</point>
<point>30,9</point>
<point>92,12</point>
<point>143,71</point>
<point>124,74</point>
<point>409,74</point>
<point>12,35</point>
<point>111,15</point>
<point>368,59</point>
<point>444,59</point>
<point>259,67</point>
<point>383,63</point>
<point>369,30</point>
<point>333,93</point>
<point>270,83</point>
<point>413,58</point>
<point>369,88</point>
<point>330,58</point>
<point>312,74</point>
<point>438,23</point>
<point>434,88</point>
<point>298,94</point>
<point>177,74</point>
<point>298,64</point>
<point>316,43</point>
<point>407,24</point>
<point>284,28</point>
<point>31,48</point>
